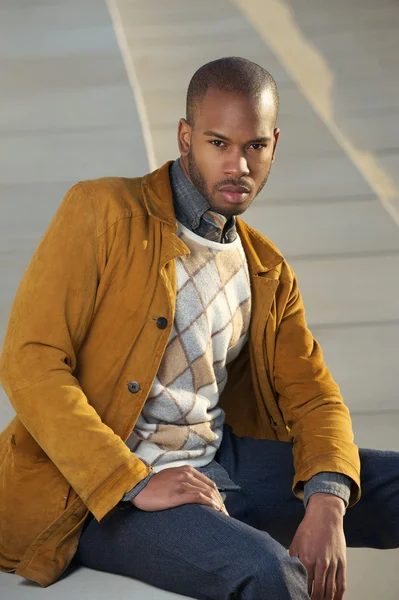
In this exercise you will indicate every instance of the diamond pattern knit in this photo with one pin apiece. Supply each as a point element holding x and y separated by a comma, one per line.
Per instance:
<point>181,422</point>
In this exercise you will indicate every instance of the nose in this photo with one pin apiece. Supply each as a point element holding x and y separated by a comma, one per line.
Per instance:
<point>235,164</point>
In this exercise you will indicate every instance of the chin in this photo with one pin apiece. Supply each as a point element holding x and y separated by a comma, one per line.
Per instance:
<point>229,210</point>
<point>233,211</point>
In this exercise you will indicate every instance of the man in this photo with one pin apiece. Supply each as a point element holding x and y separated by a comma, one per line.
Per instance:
<point>169,395</point>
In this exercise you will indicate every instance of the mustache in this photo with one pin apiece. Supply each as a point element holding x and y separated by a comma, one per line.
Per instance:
<point>235,182</point>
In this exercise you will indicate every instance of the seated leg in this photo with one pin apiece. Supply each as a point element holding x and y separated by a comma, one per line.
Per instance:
<point>196,551</point>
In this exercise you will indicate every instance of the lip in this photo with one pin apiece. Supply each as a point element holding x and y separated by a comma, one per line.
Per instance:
<point>234,189</point>
<point>234,194</point>
<point>234,197</point>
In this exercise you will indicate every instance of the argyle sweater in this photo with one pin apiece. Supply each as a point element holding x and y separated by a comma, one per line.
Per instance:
<point>181,422</point>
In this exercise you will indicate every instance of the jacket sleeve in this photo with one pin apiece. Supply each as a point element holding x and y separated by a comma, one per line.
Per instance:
<point>311,403</point>
<point>49,318</point>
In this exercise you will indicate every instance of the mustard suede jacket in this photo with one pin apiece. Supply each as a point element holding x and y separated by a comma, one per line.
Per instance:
<point>82,348</point>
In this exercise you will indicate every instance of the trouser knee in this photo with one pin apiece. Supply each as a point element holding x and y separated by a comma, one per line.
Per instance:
<point>277,577</point>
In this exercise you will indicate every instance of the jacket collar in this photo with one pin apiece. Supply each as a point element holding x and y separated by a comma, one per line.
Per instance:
<point>157,194</point>
<point>262,255</point>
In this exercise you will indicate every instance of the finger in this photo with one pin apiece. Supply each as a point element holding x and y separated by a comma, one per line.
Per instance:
<point>320,573</point>
<point>193,496</point>
<point>206,485</point>
<point>200,476</point>
<point>330,582</point>
<point>206,481</point>
<point>294,552</point>
<point>310,570</point>
<point>223,495</point>
<point>310,581</point>
<point>340,581</point>
<point>192,491</point>
<point>210,491</point>
<point>224,509</point>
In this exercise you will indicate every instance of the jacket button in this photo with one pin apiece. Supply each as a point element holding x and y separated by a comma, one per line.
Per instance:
<point>134,387</point>
<point>162,323</point>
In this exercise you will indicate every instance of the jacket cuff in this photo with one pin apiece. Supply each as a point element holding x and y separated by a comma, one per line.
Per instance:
<point>328,483</point>
<point>104,501</point>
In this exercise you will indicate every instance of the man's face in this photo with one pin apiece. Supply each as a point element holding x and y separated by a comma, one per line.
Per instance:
<point>228,152</point>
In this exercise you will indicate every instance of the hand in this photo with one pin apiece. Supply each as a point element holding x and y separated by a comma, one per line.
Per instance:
<point>320,545</point>
<point>176,486</point>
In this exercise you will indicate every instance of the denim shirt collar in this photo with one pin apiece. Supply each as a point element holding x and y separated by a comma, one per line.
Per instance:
<point>190,206</point>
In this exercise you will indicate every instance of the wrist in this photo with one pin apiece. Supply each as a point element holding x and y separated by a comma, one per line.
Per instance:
<point>326,503</point>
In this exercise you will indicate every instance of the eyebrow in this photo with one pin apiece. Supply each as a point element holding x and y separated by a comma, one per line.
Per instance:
<point>226,139</point>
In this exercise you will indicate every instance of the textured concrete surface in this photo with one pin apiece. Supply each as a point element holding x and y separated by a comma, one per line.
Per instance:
<point>71,109</point>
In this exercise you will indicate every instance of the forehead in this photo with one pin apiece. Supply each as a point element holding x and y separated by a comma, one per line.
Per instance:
<point>233,111</point>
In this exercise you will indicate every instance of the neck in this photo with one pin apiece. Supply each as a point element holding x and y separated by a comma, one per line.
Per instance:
<point>184,167</point>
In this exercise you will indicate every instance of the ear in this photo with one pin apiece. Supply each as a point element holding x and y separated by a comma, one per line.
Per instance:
<point>184,137</point>
<point>276,137</point>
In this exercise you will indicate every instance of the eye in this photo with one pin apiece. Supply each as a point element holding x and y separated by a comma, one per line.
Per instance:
<point>217,143</point>
<point>257,146</point>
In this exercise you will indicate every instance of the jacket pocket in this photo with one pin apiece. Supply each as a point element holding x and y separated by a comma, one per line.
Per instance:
<point>24,459</point>
<point>32,495</point>
<point>281,430</point>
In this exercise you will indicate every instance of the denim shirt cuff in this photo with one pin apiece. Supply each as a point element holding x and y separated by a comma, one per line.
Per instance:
<point>128,497</point>
<point>328,483</point>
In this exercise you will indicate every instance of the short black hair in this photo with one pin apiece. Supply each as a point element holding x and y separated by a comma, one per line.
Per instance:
<point>232,74</point>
